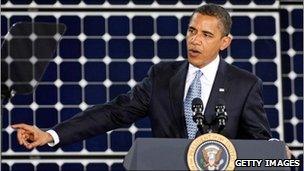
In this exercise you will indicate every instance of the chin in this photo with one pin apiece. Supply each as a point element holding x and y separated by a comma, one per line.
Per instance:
<point>196,63</point>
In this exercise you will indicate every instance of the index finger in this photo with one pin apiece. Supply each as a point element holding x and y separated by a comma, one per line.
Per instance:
<point>22,126</point>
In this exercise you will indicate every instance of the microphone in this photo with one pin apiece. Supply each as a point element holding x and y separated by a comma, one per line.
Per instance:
<point>221,116</point>
<point>198,116</point>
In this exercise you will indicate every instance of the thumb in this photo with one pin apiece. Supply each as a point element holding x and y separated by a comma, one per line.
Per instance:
<point>33,144</point>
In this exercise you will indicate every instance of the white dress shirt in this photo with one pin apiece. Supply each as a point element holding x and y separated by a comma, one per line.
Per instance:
<point>207,79</point>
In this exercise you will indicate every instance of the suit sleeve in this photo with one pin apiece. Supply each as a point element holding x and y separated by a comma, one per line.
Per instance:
<point>122,111</point>
<point>254,123</point>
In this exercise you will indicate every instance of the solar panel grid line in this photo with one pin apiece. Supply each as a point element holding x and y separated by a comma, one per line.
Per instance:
<point>131,5</point>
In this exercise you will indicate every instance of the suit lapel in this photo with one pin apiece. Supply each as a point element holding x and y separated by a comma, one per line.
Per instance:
<point>176,90</point>
<point>220,82</point>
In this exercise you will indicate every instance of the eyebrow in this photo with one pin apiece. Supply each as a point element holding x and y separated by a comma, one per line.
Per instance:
<point>203,31</point>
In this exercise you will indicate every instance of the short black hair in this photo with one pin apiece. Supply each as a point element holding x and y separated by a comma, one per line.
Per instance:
<point>219,12</point>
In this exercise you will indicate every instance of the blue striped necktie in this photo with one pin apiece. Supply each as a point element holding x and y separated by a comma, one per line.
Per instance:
<point>193,92</point>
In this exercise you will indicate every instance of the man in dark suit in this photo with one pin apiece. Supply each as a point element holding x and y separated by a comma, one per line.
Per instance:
<point>165,94</point>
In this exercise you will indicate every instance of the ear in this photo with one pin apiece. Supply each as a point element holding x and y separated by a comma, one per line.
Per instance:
<point>226,40</point>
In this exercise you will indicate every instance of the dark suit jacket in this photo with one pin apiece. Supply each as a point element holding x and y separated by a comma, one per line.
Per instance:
<point>160,96</point>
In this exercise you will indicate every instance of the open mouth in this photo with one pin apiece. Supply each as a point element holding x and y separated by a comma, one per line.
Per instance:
<point>193,52</point>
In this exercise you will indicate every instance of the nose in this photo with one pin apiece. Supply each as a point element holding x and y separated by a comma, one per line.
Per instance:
<point>195,40</point>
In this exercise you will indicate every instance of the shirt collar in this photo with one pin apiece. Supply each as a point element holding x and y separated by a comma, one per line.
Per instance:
<point>209,71</point>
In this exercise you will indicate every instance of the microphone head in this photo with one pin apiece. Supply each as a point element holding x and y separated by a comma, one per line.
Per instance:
<point>197,103</point>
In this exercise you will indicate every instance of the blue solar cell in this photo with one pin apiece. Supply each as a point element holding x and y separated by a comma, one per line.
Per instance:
<point>267,71</point>
<point>241,26</point>
<point>167,48</point>
<point>260,23</point>
<point>22,166</point>
<point>143,123</point>
<point>286,82</point>
<point>19,18</point>
<point>119,48</point>
<point>299,86</point>
<point>21,2</point>
<point>65,48</point>
<point>4,117</point>
<point>297,40</point>
<point>117,167</point>
<point>287,109</point>
<point>299,128</point>
<point>15,47</point>
<point>46,148</point>
<point>50,73</point>
<point>94,25</point>
<point>223,53</point>
<point>273,114</point>
<point>297,18</point>
<point>3,25</point>
<point>98,143</point>
<point>43,2</point>
<point>70,94</point>
<point>47,167</point>
<point>240,2</point>
<point>46,94</point>
<point>46,117</point>
<point>191,2</point>
<point>275,134</point>
<point>97,166</point>
<point>116,90</point>
<point>244,65</point>
<point>167,2</point>
<point>72,25</point>
<point>121,140</point>
<point>141,2</point>
<point>118,25</point>
<point>22,115</point>
<point>270,94</point>
<point>119,71</point>
<point>299,109</point>
<point>72,166</point>
<point>143,48</point>
<point>22,99</point>
<point>118,2</point>
<point>298,64</point>
<point>69,1</point>
<point>284,18</point>
<point>95,71</point>
<point>15,146</point>
<point>94,48</point>
<point>167,26</point>
<point>67,113</point>
<point>263,2</point>
<point>288,127</point>
<point>184,48</point>
<point>94,1</point>
<point>285,41</point>
<point>241,49</point>
<point>285,64</point>
<point>143,26</point>
<point>140,70</point>
<point>45,18</point>
<point>70,71</point>
<point>265,48</point>
<point>184,24</point>
<point>95,94</point>
<point>75,147</point>
<point>216,1</point>
<point>5,141</point>
<point>3,2</point>
<point>143,134</point>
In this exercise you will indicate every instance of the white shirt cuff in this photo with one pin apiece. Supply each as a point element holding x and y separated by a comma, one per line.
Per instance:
<point>54,136</point>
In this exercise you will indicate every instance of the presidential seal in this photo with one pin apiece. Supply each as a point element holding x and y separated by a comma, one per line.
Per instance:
<point>211,152</point>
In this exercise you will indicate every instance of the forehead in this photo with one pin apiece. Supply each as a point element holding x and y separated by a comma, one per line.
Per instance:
<point>201,21</point>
